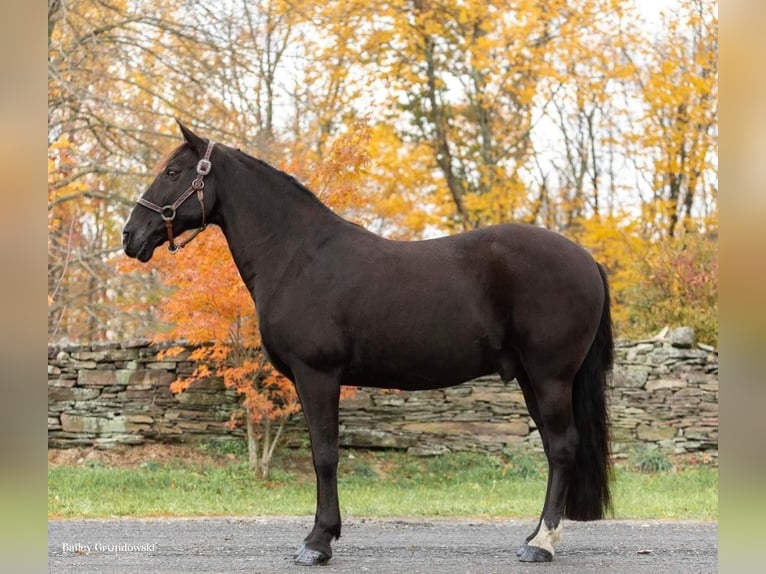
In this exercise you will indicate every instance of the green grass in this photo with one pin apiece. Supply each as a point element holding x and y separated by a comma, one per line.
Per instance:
<point>372,484</point>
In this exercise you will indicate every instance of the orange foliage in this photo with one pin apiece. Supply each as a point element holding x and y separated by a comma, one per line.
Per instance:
<point>335,177</point>
<point>210,308</point>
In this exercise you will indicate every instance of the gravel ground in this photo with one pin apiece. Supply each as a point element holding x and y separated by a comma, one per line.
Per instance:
<point>264,545</point>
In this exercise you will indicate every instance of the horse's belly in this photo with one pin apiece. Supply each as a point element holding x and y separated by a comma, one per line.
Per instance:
<point>418,361</point>
<point>405,381</point>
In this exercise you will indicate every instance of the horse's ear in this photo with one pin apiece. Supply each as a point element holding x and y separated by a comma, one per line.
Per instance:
<point>196,142</point>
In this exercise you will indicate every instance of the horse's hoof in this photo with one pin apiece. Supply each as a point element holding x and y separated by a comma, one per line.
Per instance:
<point>521,549</point>
<point>529,553</point>
<point>306,556</point>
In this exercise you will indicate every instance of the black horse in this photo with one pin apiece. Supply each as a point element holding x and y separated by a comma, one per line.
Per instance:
<point>338,305</point>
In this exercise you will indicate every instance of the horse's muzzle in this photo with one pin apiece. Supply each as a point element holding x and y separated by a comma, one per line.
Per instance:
<point>135,249</point>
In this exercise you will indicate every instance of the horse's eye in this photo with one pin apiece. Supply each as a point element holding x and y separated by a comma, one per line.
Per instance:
<point>171,173</point>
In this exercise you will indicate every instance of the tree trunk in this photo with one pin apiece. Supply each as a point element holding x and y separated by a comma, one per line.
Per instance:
<point>252,442</point>
<point>267,450</point>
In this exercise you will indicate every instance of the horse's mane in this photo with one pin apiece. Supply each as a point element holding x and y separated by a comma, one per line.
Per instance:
<point>295,184</point>
<point>291,179</point>
<point>284,176</point>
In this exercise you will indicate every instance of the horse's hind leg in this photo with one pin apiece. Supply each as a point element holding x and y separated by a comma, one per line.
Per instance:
<point>511,368</point>
<point>534,412</point>
<point>554,416</point>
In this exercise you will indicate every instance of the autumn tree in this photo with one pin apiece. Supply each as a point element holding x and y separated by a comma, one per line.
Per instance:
<point>585,117</point>
<point>207,306</point>
<point>103,137</point>
<point>582,119</point>
<point>672,278</point>
<point>674,142</point>
<point>119,73</point>
<point>468,76</point>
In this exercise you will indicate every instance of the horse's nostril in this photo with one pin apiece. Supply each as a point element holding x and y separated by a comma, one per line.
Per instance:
<point>125,237</point>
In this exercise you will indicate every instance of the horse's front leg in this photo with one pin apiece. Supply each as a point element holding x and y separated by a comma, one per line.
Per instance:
<point>319,394</point>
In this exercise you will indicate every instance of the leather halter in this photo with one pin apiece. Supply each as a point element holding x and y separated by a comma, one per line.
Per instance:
<point>168,212</point>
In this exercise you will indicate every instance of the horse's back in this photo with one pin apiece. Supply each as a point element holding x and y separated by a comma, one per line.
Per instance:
<point>519,266</point>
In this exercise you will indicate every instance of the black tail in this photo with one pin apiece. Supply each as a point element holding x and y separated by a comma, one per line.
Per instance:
<point>589,496</point>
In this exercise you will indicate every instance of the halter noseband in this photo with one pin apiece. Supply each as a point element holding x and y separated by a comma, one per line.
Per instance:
<point>168,212</point>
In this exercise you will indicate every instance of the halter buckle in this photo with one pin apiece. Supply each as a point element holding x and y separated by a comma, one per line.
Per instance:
<point>204,166</point>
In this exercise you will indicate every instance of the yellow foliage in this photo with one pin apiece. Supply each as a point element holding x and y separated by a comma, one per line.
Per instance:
<point>335,180</point>
<point>410,117</point>
<point>657,281</point>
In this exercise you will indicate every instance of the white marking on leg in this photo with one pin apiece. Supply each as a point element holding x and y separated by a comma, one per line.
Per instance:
<point>547,537</point>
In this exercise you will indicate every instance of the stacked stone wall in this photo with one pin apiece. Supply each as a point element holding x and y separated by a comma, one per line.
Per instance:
<point>663,393</point>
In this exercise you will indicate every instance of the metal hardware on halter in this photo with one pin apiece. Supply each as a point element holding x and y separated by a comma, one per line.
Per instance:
<point>168,212</point>
<point>170,217</point>
<point>204,166</point>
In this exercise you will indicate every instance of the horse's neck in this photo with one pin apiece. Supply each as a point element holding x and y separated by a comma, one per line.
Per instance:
<point>269,221</point>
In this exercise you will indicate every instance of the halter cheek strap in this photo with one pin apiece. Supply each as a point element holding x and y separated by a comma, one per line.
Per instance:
<point>168,212</point>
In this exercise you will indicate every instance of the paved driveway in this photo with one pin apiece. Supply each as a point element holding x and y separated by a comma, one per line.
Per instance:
<point>410,546</point>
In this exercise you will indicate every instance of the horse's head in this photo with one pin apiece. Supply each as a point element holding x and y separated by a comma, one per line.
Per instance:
<point>181,197</point>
